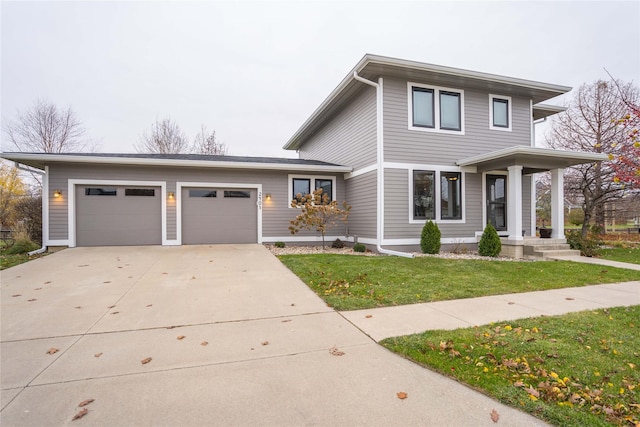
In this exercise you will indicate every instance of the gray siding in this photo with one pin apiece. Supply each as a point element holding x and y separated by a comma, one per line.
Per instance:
<point>276,213</point>
<point>348,138</point>
<point>396,215</point>
<point>362,196</point>
<point>411,146</point>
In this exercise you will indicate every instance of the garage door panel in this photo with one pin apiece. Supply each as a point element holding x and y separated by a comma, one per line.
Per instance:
<point>219,219</point>
<point>105,220</point>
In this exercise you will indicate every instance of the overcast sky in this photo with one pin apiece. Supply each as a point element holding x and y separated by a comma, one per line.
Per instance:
<point>255,71</point>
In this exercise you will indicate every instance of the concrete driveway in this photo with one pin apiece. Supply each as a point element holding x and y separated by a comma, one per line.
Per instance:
<point>233,336</point>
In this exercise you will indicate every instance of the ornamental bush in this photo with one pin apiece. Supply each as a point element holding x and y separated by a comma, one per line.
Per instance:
<point>490,244</point>
<point>359,247</point>
<point>430,238</point>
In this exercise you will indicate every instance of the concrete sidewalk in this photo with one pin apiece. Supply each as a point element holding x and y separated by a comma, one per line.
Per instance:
<point>599,261</point>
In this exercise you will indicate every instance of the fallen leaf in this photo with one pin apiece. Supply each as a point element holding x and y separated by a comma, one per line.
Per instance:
<point>115,312</point>
<point>532,391</point>
<point>165,273</point>
<point>265,342</point>
<point>16,295</point>
<point>368,316</point>
<point>285,321</point>
<point>47,282</point>
<point>37,289</point>
<point>181,337</point>
<point>334,351</point>
<point>84,265</point>
<point>52,350</point>
<point>193,277</point>
<point>171,327</point>
<point>111,306</point>
<point>85,402</point>
<point>293,305</point>
<point>78,306</point>
<point>495,416</point>
<point>107,281</point>
<point>511,303</point>
<point>146,360</point>
<point>149,305</point>
<point>203,343</point>
<point>80,414</point>
<point>97,355</point>
<point>518,384</point>
<point>569,299</point>
<point>32,300</point>
<point>402,395</point>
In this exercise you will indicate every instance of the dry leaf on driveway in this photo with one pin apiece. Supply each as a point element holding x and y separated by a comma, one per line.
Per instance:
<point>146,360</point>
<point>334,351</point>
<point>80,414</point>
<point>495,416</point>
<point>180,337</point>
<point>265,342</point>
<point>97,355</point>
<point>85,402</point>
<point>52,350</point>
<point>203,343</point>
<point>368,316</point>
<point>402,395</point>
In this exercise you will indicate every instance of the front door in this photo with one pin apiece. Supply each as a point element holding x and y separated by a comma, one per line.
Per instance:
<point>497,201</point>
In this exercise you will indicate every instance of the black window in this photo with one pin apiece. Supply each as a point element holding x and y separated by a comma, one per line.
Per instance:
<point>196,192</point>
<point>148,192</point>
<point>327,187</point>
<point>301,187</point>
<point>237,194</point>
<point>500,112</point>
<point>450,110</point>
<point>423,192</point>
<point>450,199</point>
<point>423,110</point>
<point>100,192</point>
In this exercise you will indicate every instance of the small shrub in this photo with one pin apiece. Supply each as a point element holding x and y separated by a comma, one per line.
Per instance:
<point>588,246</point>
<point>337,244</point>
<point>359,247</point>
<point>490,244</point>
<point>279,245</point>
<point>430,238</point>
<point>22,246</point>
<point>459,248</point>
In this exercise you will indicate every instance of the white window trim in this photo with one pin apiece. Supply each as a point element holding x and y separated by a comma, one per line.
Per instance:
<point>437,169</point>
<point>509,117</point>
<point>436,108</point>
<point>312,178</point>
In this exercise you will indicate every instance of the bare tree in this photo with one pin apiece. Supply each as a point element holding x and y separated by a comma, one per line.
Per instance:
<point>46,128</point>
<point>164,137</point>
<point>591,124</point>
<point>206,142</point>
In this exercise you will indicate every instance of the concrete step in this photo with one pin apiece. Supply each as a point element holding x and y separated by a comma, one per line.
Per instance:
<point>529,250</point>
<point>535,241</point>
<point>555,253</point>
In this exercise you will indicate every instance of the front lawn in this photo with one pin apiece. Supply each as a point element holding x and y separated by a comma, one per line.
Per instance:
<point>351,282</point>
<point>7,261</point>
<point>631,255</point>
<point>579,369</point>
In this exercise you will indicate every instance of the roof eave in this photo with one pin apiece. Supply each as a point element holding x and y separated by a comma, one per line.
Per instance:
<point>39,161</point>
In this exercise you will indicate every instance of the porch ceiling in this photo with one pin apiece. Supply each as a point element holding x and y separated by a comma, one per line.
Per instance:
<point>533,159</point>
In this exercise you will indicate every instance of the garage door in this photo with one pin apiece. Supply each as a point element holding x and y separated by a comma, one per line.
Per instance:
<point>118,215</point>
<point>219,215</point>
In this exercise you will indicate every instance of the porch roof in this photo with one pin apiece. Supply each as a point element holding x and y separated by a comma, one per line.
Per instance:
<point>533,159</point>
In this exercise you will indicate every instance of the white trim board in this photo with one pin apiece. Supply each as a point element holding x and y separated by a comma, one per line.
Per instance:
<point>71,206</point>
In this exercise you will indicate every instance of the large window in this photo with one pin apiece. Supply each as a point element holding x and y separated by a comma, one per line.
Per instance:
<point>437,195</point>
<point>500,112</point>
<point>450,200</point>
<point>435,109</point>
<point>423,192</point>
<point>300,185</point>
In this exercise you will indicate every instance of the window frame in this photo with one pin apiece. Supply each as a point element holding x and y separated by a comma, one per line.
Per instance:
<point>312,186</point>
<point>437,116</point>
<point>438,171</point>
<point>492,125</point>
<point>104,191</point>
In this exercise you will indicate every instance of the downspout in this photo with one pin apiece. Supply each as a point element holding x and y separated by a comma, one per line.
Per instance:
<point>380,167</point>
<point>45,204</point>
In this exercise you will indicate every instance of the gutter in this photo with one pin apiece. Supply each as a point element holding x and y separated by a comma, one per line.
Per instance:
<point>380,169</point>
<point>45,202</point>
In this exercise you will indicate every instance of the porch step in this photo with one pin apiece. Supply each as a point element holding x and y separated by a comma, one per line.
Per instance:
<point>535,248</point>
<point>546,254</point>
<point>531,250</point>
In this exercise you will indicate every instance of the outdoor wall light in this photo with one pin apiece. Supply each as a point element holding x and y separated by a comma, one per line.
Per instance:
<point>171,194</point>
<point>268,196</point>
<point>57,193</point>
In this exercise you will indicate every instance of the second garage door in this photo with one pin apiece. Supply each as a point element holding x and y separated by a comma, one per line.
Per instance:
<point>219,215</point>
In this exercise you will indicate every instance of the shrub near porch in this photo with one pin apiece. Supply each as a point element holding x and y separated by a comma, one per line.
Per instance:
<point>348,282</point>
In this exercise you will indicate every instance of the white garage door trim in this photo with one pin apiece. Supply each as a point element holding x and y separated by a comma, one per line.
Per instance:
<point>72,202</point>
<point>178,193</point>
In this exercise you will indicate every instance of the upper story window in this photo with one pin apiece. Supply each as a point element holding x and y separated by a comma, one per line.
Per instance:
<point>435,109</point>
<point>500,112</point>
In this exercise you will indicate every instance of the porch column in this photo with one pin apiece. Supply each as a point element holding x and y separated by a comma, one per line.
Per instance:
<point>514,207</point>
<point>557,203</point>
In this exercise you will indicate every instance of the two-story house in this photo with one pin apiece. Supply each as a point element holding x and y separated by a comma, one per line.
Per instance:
<point>402,142</point>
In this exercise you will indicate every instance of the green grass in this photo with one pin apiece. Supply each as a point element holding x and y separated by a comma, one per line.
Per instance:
<point>7,261</point>
<point>579,369</point>
<point>348,282</point>
<point>631,255</point>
